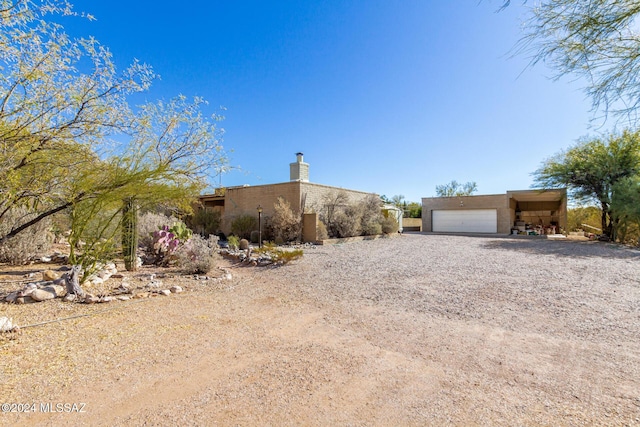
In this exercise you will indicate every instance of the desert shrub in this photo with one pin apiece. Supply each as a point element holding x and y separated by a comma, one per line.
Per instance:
<point>243,225</point>
<point>149,223</point>
<point>279,256</point>
<point>389,225</point>
<point>204,222</point>
<point>346,222</point>
<point>197,255</point>
<point>255,236</point>
<point>371,228</point>
<point>371,217</point>
<point>285,223</point>
<point>233,242</point>
<point>285,256</point>
<point>321,231</point>
<point>33,241</point>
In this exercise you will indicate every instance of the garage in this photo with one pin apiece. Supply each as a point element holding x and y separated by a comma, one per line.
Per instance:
<point>465,221</point>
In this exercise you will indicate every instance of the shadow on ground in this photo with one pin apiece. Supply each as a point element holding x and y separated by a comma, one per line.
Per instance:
<point>564,248</point>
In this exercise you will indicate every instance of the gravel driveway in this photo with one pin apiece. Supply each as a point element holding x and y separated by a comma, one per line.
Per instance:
<point>414,330</point>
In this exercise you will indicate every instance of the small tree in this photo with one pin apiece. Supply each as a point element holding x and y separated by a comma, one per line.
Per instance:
<point>454,188</point>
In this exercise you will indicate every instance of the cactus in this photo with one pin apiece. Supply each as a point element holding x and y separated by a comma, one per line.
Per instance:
<point>130,233</point>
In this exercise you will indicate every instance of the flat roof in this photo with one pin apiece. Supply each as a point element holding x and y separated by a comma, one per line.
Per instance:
<point>541,195</point>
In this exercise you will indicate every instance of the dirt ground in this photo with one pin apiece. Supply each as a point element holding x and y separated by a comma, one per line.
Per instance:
<point>417,330</point>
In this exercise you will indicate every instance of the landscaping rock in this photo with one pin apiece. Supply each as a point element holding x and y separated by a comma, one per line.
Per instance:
<point>107,299</point>
<point>176,289</point>
<point>50,275</point>
<point>69,297</point>
<point>165,292</point>
<point>11,298</point>
<point>25,300</point>
<point>91,299</point>
<point>6,324</point>
<point>43,294</point>
<point>123,298</point>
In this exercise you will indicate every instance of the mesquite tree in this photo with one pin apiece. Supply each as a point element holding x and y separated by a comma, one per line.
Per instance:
<point>67,133</point>
<point>592,171</point>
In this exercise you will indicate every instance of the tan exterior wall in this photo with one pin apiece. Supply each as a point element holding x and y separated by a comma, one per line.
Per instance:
<point>245,200</point>
<point>412,224</point>
<point>316,193</point>
<point>495,201</point>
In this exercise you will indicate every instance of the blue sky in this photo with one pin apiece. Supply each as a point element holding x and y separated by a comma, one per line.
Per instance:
<point>391,97</point>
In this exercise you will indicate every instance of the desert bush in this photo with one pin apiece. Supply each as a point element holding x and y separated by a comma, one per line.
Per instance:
<point>278,255</point>
<point>284,256</point>
<point>321,231</point>
<point>371,217</point>
<point>285,223</point>
<point>243,225</point>
<point>33,241</point>
<point>204,222</point>
<point>197,255</point>
<point>389,225</point>
<point>346,222</point>
<point>233,242</point>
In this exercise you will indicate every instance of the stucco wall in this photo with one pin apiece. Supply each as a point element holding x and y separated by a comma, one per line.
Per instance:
<point>245,200</point>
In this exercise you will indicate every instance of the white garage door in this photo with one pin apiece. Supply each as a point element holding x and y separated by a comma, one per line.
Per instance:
<point>465,221</point>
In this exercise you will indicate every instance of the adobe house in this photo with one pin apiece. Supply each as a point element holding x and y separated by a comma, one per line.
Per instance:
<point>528,211</point>
<point>233,202</point>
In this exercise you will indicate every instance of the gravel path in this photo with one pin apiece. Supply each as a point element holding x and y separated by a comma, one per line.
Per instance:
<point>413,330</point>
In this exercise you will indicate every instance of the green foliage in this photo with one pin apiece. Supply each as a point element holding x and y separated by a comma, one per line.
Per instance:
<point>412,210</point>
<point>181,231</point>
<point>95,224</point>
<point>592,169</point>
<point>626,205</point>
<point>589,215</point>
<point>130,233</point>
<point>243,225</point>
<point>279,255</point>
<point>284,257</point>
<point>456,189</point>
<point>233,242</point>
<point>204,222</point>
